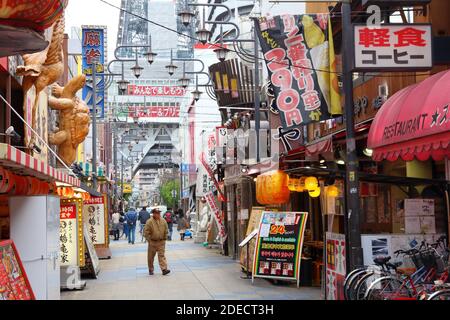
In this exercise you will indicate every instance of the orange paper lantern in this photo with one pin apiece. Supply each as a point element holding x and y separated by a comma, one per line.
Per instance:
<point>272,187</point>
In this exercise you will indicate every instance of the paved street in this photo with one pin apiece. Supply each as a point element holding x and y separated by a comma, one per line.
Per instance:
<point>197,273</point>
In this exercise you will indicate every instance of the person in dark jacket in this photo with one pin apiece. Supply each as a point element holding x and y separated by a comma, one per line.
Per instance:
<point>182,224</point>
<point>143,216</point>
<point>131,218</point>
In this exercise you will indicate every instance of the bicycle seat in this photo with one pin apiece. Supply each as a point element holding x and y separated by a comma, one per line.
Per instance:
<point>381,260</point>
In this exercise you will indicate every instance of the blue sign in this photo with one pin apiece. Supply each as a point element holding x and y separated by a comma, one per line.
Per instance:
<point>93,48</point>
<point>188,168</point>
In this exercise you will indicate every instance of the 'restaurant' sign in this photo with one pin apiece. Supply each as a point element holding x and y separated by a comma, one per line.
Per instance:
<point>156,91</point>
<point>393,47</point>
<point>299,53</point>
<point>94,212</point>
<point>279,245</point>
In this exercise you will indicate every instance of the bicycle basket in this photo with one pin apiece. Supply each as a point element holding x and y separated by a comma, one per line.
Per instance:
<point>416,258</point>
<point>428,258</point>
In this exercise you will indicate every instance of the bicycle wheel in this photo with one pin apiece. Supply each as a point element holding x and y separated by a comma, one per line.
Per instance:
<point>353,282</point>
<point>363,283</point>
<point>349,278</point>
<point>441,295</point>
<point>388,288</point>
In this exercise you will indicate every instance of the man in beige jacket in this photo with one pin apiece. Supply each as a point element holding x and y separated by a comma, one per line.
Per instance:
<point>155,231</point>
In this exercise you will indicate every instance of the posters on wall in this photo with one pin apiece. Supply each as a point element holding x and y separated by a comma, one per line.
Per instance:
<point>71,232</point>
<point>419,216</point>
<point>94,215</point>
<point>279,245</point>
<point>14,284</point>
<point>336,266</point>
<point>299,53</point>
<point>253,223</point>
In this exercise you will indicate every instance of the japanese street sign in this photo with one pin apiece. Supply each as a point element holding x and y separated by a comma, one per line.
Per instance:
<point>94,213</point>
<point>279,245</point>
<point>393,47</point>
<point>154,111</point>
<point>217,216</point>
<point>299,53</point>
<point>71,232</point>
<point>156,91</point>
<point>93,48</point>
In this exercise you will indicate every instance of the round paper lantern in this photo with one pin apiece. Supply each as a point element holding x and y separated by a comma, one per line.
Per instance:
<point>32,186</point>
<point>314,193</point>
<point>86,196</point>
<point>21,185</point>
<point>332,191</point>
<point>311,183</point>
<point>300,186</point>
<point>293,182</point>
<point>53,189</point>
<point>6,180</point>
<point>68,192</point>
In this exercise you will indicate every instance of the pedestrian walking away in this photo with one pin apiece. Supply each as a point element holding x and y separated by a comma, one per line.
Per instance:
<point>182,224</point>
<point>156,231</point>
<point>168,216</point>
<point>143,216</point>
<point>116,224</point>
<point>131,218</point>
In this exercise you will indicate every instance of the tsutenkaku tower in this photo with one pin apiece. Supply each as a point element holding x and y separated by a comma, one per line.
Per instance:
<point>132,29</point>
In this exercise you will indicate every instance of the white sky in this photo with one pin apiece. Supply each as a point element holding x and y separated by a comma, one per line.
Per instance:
<point>94,12</point>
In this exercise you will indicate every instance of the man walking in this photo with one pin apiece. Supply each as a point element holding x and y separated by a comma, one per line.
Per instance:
<point>155,231</point>
<point>168,216</point>
<point>131,218</point>
<point>144,215</point>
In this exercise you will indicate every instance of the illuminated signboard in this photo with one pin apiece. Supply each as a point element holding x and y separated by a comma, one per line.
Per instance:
<point>71,233</point>
<point>93,48</point>
<point>156,91</point>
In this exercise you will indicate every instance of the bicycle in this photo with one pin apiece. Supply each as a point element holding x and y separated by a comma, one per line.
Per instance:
<point>430,272</point>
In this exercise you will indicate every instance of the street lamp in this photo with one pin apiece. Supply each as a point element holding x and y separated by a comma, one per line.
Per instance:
<point>150,56</point>
<point>171,67</point>
<point>186,16</point>
<point>137,70</point>
<point>184,81</point>
<point>203,35</point>
<point>196,93</point>
<point>123,85</point>
<point>221,53</point>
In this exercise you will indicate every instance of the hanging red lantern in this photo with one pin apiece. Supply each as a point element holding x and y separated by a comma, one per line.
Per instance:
<point>6,180</point>
<point>21,185</point>
<point>53,189</point>
<point>32,186</point>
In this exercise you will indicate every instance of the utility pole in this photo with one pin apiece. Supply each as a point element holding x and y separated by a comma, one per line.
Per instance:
<point>94,125</point>
<point>115,158</point>
<point>256,93</point>
<point>352,167</point>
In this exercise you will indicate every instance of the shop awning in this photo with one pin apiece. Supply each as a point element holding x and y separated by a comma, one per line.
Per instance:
<point>414,122</point>
<point>320,146</point>
<point>24,164</point>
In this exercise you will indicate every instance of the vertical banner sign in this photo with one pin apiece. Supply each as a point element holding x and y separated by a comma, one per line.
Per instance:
<point>93,47</point>
<point>299,53</point>
<point>279,245</point>
<point>94,212</point>
<point>216,214</point>
<point>68,234</point>
<point>71,232</point>
<point>14,284</point>
<point>336,266</point>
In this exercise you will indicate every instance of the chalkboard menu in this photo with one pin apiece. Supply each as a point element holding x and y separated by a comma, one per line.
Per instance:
<point>14,283</point>
<point>279,245</point>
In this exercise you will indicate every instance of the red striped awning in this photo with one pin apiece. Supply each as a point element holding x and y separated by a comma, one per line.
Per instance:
<point>17,160</point>
<point>414,122</point>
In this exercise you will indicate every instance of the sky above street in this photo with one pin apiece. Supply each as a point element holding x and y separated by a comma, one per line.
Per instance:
<point>94,12</point>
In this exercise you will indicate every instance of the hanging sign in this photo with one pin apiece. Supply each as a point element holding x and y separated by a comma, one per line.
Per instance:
<point>14,284</point>
<point>299,53</point>
<point>393,47</point>
<point>95,217</point>
<point>71,232</point>
<point>279,245</point>
<point>217,216</point>
<point>93,41</point>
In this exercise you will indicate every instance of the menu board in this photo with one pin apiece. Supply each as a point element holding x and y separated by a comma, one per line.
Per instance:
<point>92,264</point>
<point>94,215</point>
<point>336,266</point>
<point>14,284</point>
<point>279,245</point>
<point>253,223</point>
<point>71,233</point>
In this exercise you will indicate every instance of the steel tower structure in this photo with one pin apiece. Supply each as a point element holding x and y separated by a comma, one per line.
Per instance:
<point>132,30</point>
